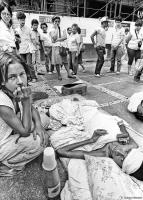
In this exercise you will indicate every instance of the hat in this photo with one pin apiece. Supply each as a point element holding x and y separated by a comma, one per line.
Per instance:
<point>104,19</point>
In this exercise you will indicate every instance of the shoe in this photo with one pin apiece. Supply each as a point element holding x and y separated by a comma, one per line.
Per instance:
<point>83,70</point>
<point>34,80</point>
<point>71,76</point>
<point>130,74</point>
<point>110,71</point>
<point>117,73</point>
<point>49,73</point>
<point>97,75</point>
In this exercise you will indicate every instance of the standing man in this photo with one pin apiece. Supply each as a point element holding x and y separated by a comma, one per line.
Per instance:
<point>99,44</point>
<point>117,45</point>
<point>47,44</point>
<point>26,47</point>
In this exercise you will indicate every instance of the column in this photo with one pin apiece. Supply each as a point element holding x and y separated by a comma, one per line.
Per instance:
<point>106,9</point>
<point>77,8</point>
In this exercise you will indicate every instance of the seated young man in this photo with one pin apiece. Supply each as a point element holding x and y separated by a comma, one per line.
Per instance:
<point>127,156</point>
<point>135,105</point>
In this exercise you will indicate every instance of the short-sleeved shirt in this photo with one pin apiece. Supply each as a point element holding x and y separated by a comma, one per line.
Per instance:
<point>35,36</point>
<point>54,34</point>
<point>46,39</point>
<point>7,37</point>
<point>108,37</point>
<point>26,45</point>
<point>5,130</point>
<point>100,37</point>
<point>117,35</point>
<point>136,37</point>
<point>73,42</point>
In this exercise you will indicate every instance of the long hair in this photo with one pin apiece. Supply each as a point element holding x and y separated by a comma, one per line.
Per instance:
<point>3,6</point>
<point>5,60</point>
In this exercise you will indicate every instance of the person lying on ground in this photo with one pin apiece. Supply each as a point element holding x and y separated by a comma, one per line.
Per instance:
<point>22,136</point>
<point>127,156</point>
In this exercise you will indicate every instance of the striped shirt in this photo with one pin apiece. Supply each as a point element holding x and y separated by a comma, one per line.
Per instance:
<point>117,35</point>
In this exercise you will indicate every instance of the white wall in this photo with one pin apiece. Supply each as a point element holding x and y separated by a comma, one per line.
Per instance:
<point>87,24</point>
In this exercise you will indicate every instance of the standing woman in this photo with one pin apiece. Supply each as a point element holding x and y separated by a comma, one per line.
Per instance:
<point>134,44</point>
<point>55,33</point>
<point>7,36</point>
<point>74,42</point>
<point>81,50</point>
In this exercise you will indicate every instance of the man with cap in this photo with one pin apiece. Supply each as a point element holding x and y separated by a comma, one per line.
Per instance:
<point>99,45</point>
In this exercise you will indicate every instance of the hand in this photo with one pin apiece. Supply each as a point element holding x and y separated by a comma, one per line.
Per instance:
<point>115,47</point>
<point>39,130</point>
<point>95,45</point>
<point>22,93</point>
<point>77,53</point>
<point>97,133</point>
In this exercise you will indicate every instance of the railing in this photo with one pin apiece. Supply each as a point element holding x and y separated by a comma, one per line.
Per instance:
<point>68,9</point>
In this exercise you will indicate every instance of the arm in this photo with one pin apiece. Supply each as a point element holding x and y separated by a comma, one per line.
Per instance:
<point>22,127</point>
<point>36,117</point>
<point>68,153</point>
<point>121,40</point>
<point>38,128</point>
<point>128,38</point>
<point>92,37</point>
<point>79,154</point>
<point>61,39</point>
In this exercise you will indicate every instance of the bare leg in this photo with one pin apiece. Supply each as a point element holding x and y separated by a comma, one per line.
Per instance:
<point>68,71</point>
<point>58,72</point>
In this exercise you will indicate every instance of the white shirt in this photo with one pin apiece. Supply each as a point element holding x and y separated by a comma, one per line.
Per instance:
<point>26,45</point>
<point>46,39</point>
<point>133,43</point>
<point>54,35</point>
<point>73,41</point>
<point>108,37</point>
<point>117,35</point>
<point>134,101</point>
<point>100,37</point>
<point>7,37</point>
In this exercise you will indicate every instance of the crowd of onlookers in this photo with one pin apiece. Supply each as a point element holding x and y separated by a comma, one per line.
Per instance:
<point>59,47</point>
<point>118,43</point>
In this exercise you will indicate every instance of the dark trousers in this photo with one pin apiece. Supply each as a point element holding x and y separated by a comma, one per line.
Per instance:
<point>100,61</point>
<point>116,53</point>
<point>27,57</point>
<point>133,54</point>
